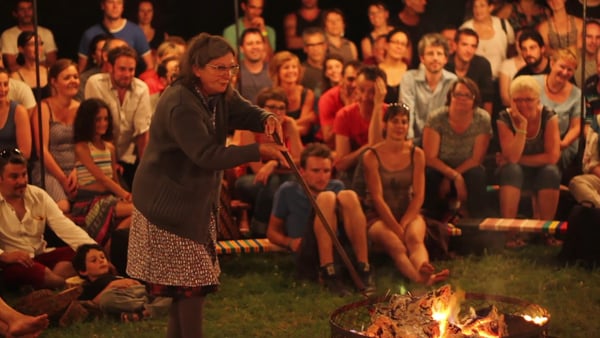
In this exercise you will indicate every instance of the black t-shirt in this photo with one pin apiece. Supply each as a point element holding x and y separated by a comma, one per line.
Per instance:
<point>92,289</point>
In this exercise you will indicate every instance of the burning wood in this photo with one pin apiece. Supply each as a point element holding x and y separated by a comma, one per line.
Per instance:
<point>436,314</point>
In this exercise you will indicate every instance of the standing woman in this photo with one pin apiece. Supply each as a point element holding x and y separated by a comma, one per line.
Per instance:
<point>15,130</point>
<point>455,141</point>
<point>26,60</point>
<point>395,177</point>
<point>58,116</point>
<point>176,187</point>
<point>378,17</point>
<point>145,16</point>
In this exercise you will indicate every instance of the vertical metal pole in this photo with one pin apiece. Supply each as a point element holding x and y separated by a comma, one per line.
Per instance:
<point>236,11</point>
<point>38,95</point>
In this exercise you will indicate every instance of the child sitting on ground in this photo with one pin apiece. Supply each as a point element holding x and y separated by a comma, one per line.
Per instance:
<point>116,295</point>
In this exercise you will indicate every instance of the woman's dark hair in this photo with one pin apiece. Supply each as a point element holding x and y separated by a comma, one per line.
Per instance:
<point>84,127</point>
<point>200,51</point>
<point>271,93</point>
<point>393,110</point>
<point>92,49</point>
<point>59,66</point>
<point>81,254</point>
<point>22,41</point>
<point>326,81</point>
<point>471,85</point>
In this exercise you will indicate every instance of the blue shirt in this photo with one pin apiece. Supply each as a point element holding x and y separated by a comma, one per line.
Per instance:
<point>416,93</point>
<point>130,33</point>
<point>293,206</point>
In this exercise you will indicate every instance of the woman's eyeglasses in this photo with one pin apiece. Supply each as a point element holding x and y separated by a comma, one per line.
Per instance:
<point>6,153</point>
<point>274,107</point>
<point>467,96</point>
<point>233,69</point>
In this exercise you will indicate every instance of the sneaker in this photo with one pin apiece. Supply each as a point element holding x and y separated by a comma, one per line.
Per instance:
<point>366,275</point>
<point>332,282</point>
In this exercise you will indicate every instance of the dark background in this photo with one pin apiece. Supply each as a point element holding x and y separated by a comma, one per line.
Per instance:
<point>69,18</point>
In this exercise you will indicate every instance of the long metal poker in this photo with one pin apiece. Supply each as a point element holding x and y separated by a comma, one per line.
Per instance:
<point>336,242</point>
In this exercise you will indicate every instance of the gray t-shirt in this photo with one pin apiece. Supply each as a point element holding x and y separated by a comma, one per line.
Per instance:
<point>456,148</point>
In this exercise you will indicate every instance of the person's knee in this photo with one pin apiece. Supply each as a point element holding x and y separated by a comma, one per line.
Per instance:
<point>326,199</point>
<point>348,199</point>
<point>548,177</point>
<point>511,174</point>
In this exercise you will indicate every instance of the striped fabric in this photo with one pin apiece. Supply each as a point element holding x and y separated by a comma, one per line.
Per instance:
<point>513,224</point>
<point>247,246</point>
<point>102,158</point>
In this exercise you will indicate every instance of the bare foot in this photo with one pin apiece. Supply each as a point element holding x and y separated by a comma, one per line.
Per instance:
<point>435,278</point>
<point>426,269</point>
<point>28,325</point>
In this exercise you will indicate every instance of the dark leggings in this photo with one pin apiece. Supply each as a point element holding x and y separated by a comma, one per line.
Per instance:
<point>475,180</point>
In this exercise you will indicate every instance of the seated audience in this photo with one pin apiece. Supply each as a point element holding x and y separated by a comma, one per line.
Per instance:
<point>533,51</point>
<point>96,165</point>
<point>23,13</point>
<point>395,178</point>
<point>379,50</point>
<point>286,72</point>
<point>592,43</point>
<point>335,99</point>
<point>167,72</point>
<point>252,18</point>
<point>24,255</point>
<point>586,187</point>
<point>507,71</point>
<point>561,30</point>
<point>522,14</point>
<point>530,148</point>
<point>110,43</point>
<point>292,225</point>
<point>17,324</point>
<point>308,15</point>
<point>591,93</point>
<point>115,295</point>
<point>334,26</point>
<point>564,98</point>
<point>394,64</point>
<point>258,186</point>
<point>57,118</point>
<point>495,34</point>
<point>254,69</point>
<point>150,76</point>
<point>455,141</point>
<point>315,47</point>
<point>26,71</point>
<point>332,71</point>
<point>379,18</point>
<point>15,131</point>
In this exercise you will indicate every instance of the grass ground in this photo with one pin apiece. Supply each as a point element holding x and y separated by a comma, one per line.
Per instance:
<point>259,297</point>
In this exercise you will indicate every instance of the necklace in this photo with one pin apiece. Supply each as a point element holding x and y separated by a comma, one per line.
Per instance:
<point>554,92</point>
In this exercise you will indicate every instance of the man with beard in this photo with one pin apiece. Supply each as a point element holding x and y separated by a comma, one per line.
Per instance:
<point>309,15</point>
<point>254,71</point>
<point>533,52</point>
<point>24,213</point>
<point>115,25</point>
<point>465,63</point>
<point>293,223</point>
<point>23,12</point>
<point>252,18</point>
<point>129,101</point>
<point>425,89</point>
<point>592,42</point>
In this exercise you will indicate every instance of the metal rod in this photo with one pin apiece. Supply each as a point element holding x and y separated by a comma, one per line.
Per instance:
<point>38,97</point>
<point>336,242</point>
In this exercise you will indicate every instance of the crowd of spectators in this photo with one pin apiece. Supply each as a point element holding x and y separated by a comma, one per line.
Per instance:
<point>426,113</point>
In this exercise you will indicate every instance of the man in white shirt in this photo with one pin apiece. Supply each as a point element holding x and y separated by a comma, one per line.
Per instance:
<point>24,212</point>
<point>129,101</point>
<point>20,92</point>
<point>23,12</point>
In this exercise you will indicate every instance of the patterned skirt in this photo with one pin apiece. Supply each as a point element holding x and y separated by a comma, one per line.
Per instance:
<point>173,266</point>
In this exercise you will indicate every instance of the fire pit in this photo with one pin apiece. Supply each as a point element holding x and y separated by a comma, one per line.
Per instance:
<point>440,313</point>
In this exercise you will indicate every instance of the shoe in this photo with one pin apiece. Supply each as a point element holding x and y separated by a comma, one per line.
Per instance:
<point>366,275</point>
<point>332,282</point>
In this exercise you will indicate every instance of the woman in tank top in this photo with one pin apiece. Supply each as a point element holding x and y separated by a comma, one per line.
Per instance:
<point>15,130</point>
<point>27,68</point>
<point>561,30</point>
<point>58,115</point>
<point>95,161</point>
<point>394,172</point>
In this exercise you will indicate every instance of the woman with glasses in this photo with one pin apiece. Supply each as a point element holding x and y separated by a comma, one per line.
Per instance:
<point>58,116</point>
<point>455,141</point>
<point>285,72</point>
<point>172,242</point>
<point>27,69</point>
<point>15,129</point>
<point>394,172</point>
<point>258,186</point>
<point>394,64</point>
<point>530,148</point>
<point>379,18</point>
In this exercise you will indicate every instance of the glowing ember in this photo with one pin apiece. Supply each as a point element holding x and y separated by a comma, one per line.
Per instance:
<point>536,320</point>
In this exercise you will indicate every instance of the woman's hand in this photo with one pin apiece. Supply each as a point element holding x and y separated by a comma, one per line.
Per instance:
<point>273,127</point>
<point>380,91</point>
<point>461,188</point>
<point>519,120</point>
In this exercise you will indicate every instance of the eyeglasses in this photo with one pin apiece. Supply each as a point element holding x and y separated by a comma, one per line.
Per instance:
<point>233,69</point>
<point>6,153</point>
<point>398,42</point>
<point>467,96</point>
<point>316,44</point>
<point>525,100</point>
<point>273,107</point>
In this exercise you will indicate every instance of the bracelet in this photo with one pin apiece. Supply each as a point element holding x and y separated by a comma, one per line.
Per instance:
<point>521,131</point>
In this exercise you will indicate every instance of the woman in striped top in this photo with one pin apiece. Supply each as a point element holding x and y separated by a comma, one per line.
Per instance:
<point>99,195</point>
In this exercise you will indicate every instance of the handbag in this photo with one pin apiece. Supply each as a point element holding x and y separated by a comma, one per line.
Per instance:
<point>583,234</point>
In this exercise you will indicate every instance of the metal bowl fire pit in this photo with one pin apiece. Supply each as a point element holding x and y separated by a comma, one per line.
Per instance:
<point>519,319</point>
